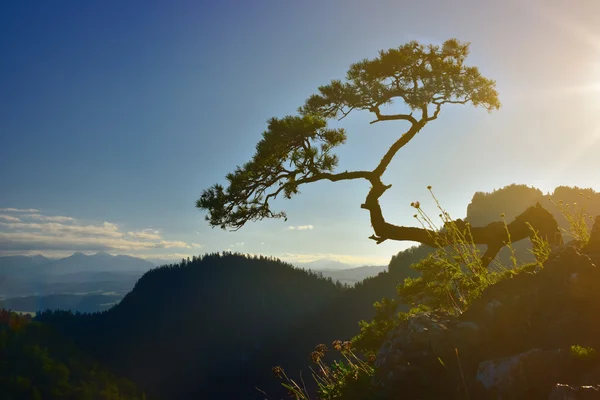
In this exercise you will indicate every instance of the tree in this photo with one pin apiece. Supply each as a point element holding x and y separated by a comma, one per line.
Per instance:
<point>296,150</point>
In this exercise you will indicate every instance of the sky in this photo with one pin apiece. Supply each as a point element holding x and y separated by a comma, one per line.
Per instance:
<point>115,115</point>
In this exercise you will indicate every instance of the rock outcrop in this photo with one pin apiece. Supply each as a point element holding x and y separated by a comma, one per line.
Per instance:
<point>514,342</point>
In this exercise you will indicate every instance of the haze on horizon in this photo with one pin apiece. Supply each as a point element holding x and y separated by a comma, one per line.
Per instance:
<point>116,116</point>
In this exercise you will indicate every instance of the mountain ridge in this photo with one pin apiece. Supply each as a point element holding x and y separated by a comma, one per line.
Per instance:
<point>76,262</point>
<point>41,276</point>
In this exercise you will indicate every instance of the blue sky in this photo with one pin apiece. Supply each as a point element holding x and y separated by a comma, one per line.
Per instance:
<point>115,115</point>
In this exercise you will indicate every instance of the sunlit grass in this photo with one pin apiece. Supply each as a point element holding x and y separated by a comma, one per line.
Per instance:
<point>576,216</point>
<point>349,376</point>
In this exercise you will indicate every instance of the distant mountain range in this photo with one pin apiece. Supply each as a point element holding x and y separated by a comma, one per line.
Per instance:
<point>325,265</point>
<point>102,274</point>
<point>344,273</point>
<point>33,283</point>
<point>353,275</point>
<point>28,266</point>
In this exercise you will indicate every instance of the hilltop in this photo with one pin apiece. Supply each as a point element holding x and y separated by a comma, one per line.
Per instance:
<point>209,322</point>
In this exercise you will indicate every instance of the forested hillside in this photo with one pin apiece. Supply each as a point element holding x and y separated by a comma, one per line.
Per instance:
<point>212,326</point>
<point>38,363</point>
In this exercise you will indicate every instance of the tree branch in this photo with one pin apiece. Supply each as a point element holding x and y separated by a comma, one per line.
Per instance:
<point>493,235</point>
<point>395,117</point>
<point>438,108</point>
<point>345,113</point>
<point>397,145</point>
<point>325,176</point>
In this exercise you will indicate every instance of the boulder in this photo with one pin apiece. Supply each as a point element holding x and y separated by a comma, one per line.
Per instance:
<point>529,375</point>
<point>421,356</point>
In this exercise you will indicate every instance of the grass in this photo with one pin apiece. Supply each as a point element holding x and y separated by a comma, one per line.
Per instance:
<point>348,378</point>
<point>454,275</point>
<point>577,218</point>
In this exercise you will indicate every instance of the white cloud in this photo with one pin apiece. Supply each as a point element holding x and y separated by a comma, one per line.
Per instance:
<point>20,210</point>
<point>149,234</point>
<point>36,240</point>
<point>106,229</point>
<point>55,218</point>
<point>196,245</point>
<point>41,233</point>
<point>301,228</point>
<point>167,244</point>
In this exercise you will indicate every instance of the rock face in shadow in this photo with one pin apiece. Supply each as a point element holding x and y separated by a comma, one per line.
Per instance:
<point>593,246</point>
<point>567,392</point>
<point>512,343</point>
<point>525,375</point>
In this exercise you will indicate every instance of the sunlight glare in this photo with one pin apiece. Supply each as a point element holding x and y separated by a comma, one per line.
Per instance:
<point>595,84</point>
<point>589,84</point>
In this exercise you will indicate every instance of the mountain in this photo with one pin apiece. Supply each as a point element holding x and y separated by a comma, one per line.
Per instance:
<point>211,327</point>
<point>352,276</point>
<point>341,272</point>
<point>76,283</point>
<point>76,274</point>
<point>79,262</point>
<point>325,265</point>
<point>21,265</point>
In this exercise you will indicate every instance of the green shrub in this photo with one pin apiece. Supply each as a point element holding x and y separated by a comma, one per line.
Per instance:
<point>452,276</point>
<point>583,353</point>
